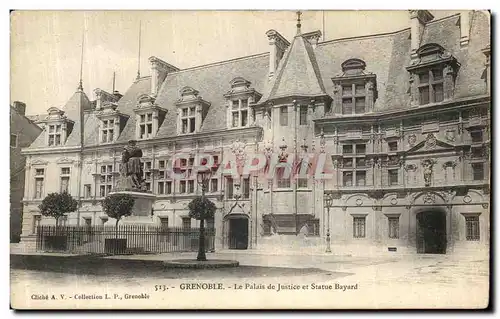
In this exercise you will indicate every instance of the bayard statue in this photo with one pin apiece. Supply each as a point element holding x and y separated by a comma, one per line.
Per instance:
<point>131,175</point>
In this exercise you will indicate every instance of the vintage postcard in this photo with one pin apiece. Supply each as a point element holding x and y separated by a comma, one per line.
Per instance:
<point>250,159</point>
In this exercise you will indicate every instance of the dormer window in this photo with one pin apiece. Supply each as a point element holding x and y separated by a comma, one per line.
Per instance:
<point>191,111</point>
<point>107,131</point>
<point>58,127</point>
<point>355,90</point>
<point>430,86</point>
<point>239,111</point>
<point>240,98</point>
<point>146,126</point>
<point>149,117</point>
<point>188,120</point>
<point>55,132</point>
<point>111,122</point>
<point>432,75</point>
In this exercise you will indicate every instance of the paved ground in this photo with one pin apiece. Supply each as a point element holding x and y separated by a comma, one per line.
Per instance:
<point>391,281</point>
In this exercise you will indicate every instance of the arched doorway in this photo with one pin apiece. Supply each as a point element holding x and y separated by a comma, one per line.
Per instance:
<point>431,232</point>
<point>238,233</point>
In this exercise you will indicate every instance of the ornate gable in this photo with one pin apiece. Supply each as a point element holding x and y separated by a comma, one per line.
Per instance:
<point>430,143</point>
<point>191,111</point>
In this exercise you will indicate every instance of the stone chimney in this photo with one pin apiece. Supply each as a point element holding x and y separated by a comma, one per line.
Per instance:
<point>312,37</point>
<point>278,45</point>
<point>418,19</point>
<point>20,107</point>
<point>159,71</point>
<point>464,28</point>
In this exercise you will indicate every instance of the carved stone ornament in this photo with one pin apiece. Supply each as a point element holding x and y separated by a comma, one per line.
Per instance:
<point>268,147</point>
<point>429,198</point>
<point>412,139</point>
<point>430,141</point>
<point>238,150</point>
<point>467,199</point>
<point>394,201</point>
<point>428,164</point>
<point>450,135</point>
<point>359,202</point>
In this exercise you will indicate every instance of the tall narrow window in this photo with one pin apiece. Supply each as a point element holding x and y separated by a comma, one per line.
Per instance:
<point>239,111</point>
<point>39,179</point>
<point>431,86</point>
<point>164,181</point>
<point>64,180</point>
<point>284,115</point>
<point>182,187</point>
<point>353,99</point>
<point>347,179</point>
<point>393,227</point>
<point>360,178</point>
<point>302,182</point>
<point>146,126</point>
<point>106,180</point>
<point>478,171</point>
<point>283,180</point>
<point>214,183</point>
<point>190,188</point>
<point>393,177</point>
<point>107,132</point>
<point>303,115</point>
<point>246,188</point>
<point>87,190</point>
<point>359,226</point>
<point>146,168</point>
<point>472,228</point>
<point>229,188</point>
<point>186,222</point>
<point>55,135</point>
<point>188,119</point>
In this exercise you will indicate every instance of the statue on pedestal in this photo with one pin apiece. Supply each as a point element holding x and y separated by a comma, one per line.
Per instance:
<point>131,170</point>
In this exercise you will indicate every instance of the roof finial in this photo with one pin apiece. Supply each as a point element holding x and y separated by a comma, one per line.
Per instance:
<point>139,55</point>
<point>298,21</point>
<point>80,84</point>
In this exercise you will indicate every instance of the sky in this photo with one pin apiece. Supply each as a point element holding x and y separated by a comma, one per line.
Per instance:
<point>46,46</point>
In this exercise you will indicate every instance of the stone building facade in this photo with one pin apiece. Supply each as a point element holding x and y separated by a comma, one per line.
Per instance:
<point>22,133</point>
<point>395,127</point>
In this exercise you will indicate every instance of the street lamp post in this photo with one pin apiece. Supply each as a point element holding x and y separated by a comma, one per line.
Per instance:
<point>328,204</point>
<point>202,178</point>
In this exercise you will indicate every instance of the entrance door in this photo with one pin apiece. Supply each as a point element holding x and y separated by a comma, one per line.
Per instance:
<point>238,233</point>
<point>431,232</point>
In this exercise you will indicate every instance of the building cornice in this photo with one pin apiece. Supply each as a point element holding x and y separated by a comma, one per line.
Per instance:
<point>408,112</point>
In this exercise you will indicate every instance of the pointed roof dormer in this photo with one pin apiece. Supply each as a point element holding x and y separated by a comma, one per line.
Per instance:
<point>298,73</point>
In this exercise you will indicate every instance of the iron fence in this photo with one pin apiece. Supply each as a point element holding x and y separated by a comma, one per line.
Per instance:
<point>124,239</point>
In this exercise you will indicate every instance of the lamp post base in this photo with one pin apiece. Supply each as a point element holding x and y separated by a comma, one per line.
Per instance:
<point>328,248</point>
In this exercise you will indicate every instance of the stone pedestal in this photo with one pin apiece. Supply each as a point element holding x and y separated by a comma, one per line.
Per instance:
<point>143,204</point>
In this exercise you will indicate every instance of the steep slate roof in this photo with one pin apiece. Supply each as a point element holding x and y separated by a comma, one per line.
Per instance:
<point>303,71</point>
<point>212,81</point>
<point>71,109</point>
<point>298,73</point>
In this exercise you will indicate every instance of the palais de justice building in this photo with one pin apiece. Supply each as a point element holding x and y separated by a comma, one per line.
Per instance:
<point>403,118</point>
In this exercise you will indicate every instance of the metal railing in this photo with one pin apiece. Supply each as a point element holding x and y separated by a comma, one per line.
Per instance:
<point>124,239</point>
